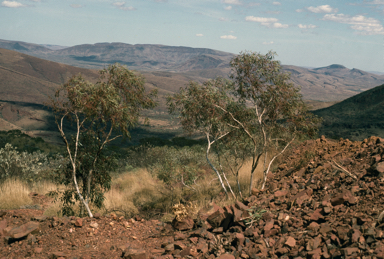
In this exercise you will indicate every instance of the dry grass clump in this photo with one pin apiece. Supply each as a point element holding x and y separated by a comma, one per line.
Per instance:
<point>44,187</point>
<point>53,210</point>
<point>13,194</point>
<point>134,191</point>
<point>141,192</point>
<point>116,201</point>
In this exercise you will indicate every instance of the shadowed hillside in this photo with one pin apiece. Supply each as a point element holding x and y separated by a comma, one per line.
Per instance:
<point>27,82</point>
<point>357,117</point>
<point>29,79</point>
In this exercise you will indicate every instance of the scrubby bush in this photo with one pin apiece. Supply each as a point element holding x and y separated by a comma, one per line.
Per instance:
<point>170,164</point>
<point>26,143</point>
<point>30,167</point>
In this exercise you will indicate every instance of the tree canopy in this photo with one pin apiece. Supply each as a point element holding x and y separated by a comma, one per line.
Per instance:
<point>258,106</point>
<point>113,103</point>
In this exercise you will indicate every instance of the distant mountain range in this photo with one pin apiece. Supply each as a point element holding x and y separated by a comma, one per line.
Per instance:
<point>331,83</point>
<point>139,57</point>
<point>27,81</point>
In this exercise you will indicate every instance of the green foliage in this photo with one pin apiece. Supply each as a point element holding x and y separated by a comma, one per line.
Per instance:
<point>170,164</point>
<point>23,142</point>
<point>260,111</point>
<point>200,109</point>
<point>196,106</point>
<point>255,214</point>
<point>277,103</point>
<point>30,167</point>
<point>113,103</point>
<point>100,182</point>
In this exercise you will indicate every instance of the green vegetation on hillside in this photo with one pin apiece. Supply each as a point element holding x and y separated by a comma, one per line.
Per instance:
<point>355,118</point>
<point>247,122</point>
<point>24,142</point>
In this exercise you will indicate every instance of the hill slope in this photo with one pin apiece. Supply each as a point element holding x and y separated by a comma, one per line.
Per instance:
<point>144,57</point>
<point>332,83</point>
<point>26,82</point>
<point>357,117</point>
<point>29,79</point>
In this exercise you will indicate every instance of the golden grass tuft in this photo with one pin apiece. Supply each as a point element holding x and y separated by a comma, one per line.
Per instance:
<point>44,187</point>
<point>13,194</point>
<point>139,191</point>
<point>53,209</point>
<point>134,191</point>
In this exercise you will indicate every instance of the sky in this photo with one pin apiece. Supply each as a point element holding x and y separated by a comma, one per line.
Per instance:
<point>309,33</point>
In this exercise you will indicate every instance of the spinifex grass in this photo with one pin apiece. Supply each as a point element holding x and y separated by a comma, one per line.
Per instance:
<point>13,194</point>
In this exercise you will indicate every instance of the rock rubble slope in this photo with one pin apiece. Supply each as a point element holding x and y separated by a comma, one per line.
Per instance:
<point>324,201</point>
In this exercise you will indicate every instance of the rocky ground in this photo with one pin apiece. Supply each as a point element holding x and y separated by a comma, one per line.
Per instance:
<point>324,201</point>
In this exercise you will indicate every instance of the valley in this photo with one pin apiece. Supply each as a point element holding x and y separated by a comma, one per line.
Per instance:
<point>30,73</point>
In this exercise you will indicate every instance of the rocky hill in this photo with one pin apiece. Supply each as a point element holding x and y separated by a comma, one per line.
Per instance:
<point>144,57</point>
<point>332,83</point>
<point>327,84</point>
<point>357,117</point>
<point>26,83</point>
<point>324,201</point>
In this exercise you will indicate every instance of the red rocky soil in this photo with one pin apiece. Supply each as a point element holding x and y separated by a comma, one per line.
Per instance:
<point>325,201</point>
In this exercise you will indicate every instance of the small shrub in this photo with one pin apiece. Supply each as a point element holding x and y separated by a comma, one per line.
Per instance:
<point>255,214</point>
<point>30,167</point>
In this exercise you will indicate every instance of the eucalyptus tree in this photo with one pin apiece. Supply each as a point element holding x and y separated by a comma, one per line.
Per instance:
<point>112,104</point>
<point>275,106</point>
<point>197,108</point>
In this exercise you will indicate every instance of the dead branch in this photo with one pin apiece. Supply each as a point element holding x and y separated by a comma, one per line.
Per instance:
<point>344,170</point>
<point>190,187</point>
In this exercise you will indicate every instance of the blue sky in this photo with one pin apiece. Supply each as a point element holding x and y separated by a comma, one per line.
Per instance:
<point>312,33</point>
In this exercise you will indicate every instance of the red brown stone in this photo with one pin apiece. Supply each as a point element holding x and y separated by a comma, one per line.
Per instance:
<point>291,242</point>
<point>22,231</point>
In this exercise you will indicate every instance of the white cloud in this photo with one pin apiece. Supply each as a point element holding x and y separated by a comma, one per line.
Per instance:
<point>228,7</point>
<point>121,6</point>
<point>376,2</point>
<point>273,12</point>
<point>235,2</point>
<point>223,19</point>
<point>260,19</point>
<point>118,4</point>
<point>279,25</point>
<point>12,4</point>
<point>276,3</point>
<point>299,10</point>
<point>364,25</point>
<point>76,5</point>
<point>199,35</point>
<point>228,37</point>
<point>267,43</point>
<point>306,26</point>
<point>268,22</point>
<point>322,9</point>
